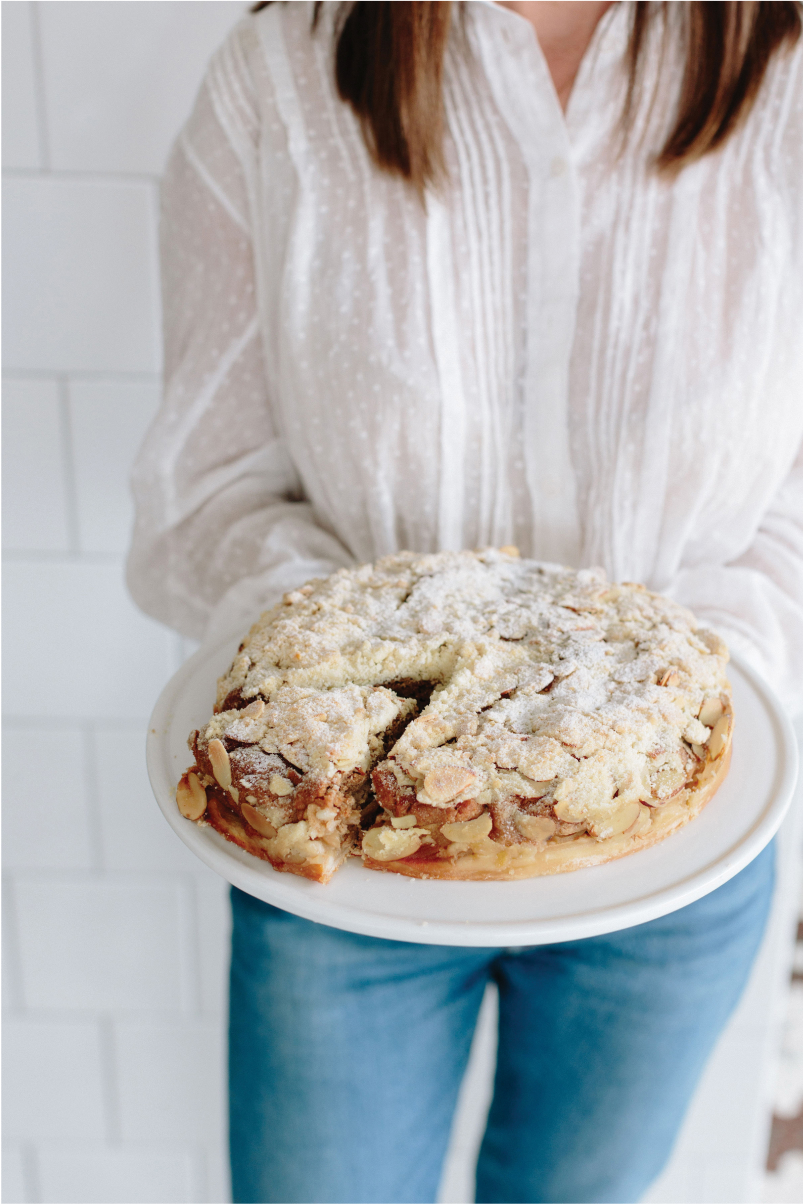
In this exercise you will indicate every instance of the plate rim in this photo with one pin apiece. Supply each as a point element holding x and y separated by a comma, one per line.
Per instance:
<point>309,901</point>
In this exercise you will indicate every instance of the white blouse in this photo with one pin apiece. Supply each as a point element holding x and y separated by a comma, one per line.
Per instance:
<point>563,350</point>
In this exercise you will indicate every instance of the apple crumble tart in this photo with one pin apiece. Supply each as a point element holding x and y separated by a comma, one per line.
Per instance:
<point>463,715</point>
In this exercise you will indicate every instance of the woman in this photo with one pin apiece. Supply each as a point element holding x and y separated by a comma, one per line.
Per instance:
<point>442,276</point>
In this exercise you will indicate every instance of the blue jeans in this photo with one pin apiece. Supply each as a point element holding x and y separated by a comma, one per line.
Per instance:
<point>347,1052</point>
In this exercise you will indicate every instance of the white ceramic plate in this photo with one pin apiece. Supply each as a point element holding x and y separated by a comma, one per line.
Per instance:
<point>739,821</point>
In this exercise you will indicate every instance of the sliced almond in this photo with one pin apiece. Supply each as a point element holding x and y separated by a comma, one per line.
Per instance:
<point>566,829</point>
<point>538,789</point>
<point>191,797</point>
<point>221,765</point>
<point>621,820</point>
<point>719,737</point>
<point>699,751</point>
<point>537,828</point>
<point>197,789</point>
<point>641,823</point>
<point>403,821</point>
<point>567,811</point>
<point>258,822</point>
<point>669,678</point>
<point>447,781</point>
<point>510,549</point>
<point>386,844</point>
<point>469,831</point>
<point>667,780</point>
<point>711,711</point>
<point>254,710</point>
<point>280,786</point>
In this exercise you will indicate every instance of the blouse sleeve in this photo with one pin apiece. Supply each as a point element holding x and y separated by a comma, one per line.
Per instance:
<point>756,602</point>
<point>221,527</point>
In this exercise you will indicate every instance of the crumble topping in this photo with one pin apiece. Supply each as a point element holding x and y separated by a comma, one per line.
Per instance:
<point>320,732</point>
<point>550,684</point>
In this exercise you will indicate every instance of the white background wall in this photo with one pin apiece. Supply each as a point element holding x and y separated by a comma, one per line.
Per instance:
<point>115,938</point>
<point>115,941</point>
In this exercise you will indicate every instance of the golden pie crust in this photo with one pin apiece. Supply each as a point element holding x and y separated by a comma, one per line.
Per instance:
<point>465,716</point>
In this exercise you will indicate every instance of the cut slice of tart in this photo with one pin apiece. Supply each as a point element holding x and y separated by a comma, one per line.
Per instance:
<point>289,780</point>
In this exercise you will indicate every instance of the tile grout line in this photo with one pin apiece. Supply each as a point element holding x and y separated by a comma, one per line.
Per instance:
<point>82,375</point>
<point>93,795</point>
<point>133,724</point>
<point>41,556</point>
<point>68,462</point>
<point>93,176</point>
<point>39,73</point>
<point>160,1016</point>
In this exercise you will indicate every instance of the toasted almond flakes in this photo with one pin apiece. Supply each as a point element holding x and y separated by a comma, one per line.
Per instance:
<point>280,786</point>
<point>719,737</point>
<point>221,765</point>
<point>535,827</point>
<point>711,711</point>
<point>446,782</point>
<point>191,797</point>
<point>258,822</point>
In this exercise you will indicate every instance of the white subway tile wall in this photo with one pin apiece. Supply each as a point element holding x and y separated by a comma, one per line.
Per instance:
<point>115,100</point>
<point>172,1080</point>
<point>80,263</point>
<point>22,145</point>
<point>14,1185</point>
<point>114,944</point>
<point>66,835</point>
<point>87,1174</point>
<point>132,832</point>
<point>63,1059</point>
<point>35,469</point>
<point>115,937</point>
<point>107,419</point>
<point>81,649</point>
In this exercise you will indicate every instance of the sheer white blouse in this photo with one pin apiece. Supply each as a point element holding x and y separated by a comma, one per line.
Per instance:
<point>562,350</point>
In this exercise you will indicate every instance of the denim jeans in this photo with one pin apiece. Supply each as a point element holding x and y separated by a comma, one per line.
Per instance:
<point>346,1053</point>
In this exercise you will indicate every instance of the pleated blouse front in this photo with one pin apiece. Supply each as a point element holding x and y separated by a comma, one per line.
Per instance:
<point>561,349</point>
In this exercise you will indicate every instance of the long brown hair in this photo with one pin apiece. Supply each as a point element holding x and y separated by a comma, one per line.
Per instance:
<point>389,68</point>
